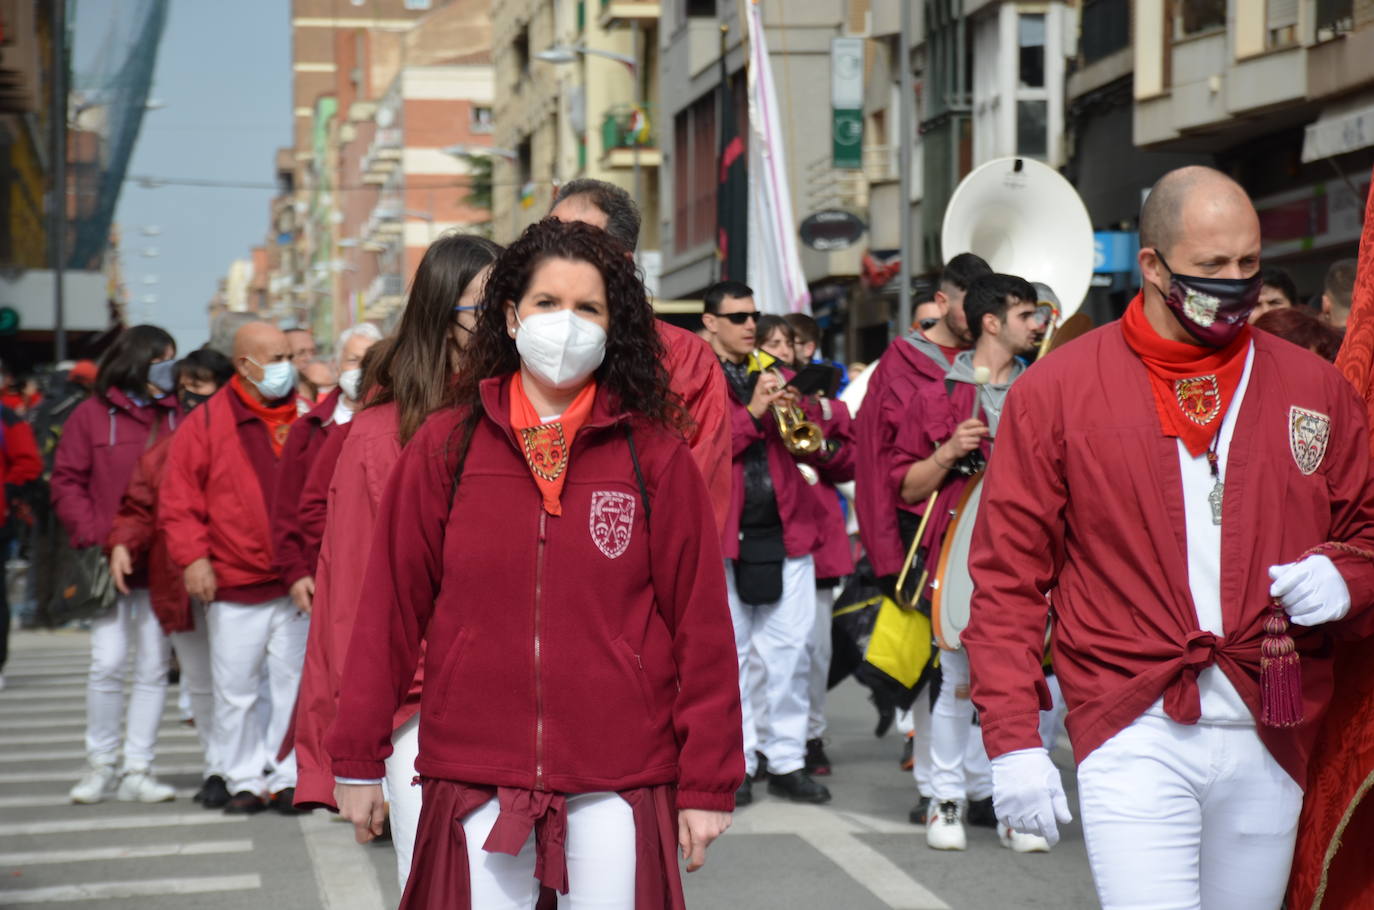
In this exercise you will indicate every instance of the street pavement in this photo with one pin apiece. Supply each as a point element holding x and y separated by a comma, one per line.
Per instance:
<point>857,853</point>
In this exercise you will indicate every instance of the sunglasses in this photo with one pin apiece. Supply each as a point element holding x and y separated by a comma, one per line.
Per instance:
<point>740,318</point>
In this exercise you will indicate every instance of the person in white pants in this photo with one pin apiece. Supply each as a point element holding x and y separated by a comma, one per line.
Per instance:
<point>248,641</point>
<point>197,681</point>
<point>404,795</point>
<point>818,678</point>
<point>130,627</point>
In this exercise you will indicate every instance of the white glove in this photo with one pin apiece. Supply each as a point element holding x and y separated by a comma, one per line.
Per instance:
<point>1312,591</point>
<point>1028,795</point>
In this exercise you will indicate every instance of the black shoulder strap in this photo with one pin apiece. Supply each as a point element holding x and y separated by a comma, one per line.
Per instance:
<point>639,473</point>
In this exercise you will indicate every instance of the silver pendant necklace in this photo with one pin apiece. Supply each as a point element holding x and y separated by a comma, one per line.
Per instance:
<point>1218,488</point>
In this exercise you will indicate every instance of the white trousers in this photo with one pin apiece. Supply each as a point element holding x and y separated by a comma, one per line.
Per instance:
<point>959,766</point>
<point>197,682</point>
<point>1188,818</point>
<point>600,853</point>
<point>1052,721</point>
<point>917,720</point>
<point>130,627</point>
<point>403,798</point>
<point>250,642</point>
<point>779,633</point>
<point>819,650</point>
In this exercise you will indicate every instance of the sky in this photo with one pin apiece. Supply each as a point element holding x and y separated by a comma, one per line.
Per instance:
<point>224,74</point>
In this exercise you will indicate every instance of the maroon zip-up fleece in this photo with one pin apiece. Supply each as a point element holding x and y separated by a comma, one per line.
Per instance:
<point>583,653</point>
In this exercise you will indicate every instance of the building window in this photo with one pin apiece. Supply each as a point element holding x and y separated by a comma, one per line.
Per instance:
<point>1031,37</point>
<point>699,8</point>
<point>1106,28</point>
<point>520,48</point>
<point>694,174</point>
<point>480,119</point>
<point>1032,128</point>
<point>417,4</point>
<point>1192,17</point>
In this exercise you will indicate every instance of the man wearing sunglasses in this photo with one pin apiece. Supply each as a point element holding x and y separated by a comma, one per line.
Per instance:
<point>775,527</point>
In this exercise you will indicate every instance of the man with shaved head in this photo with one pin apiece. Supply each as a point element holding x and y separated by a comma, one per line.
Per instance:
<point>1194,502</point>
<point>216,497</point>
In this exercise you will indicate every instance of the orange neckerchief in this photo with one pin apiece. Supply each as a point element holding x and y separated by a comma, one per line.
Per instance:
<point>1193,385</point>
<point>278,419</point>
<point>546,445</point>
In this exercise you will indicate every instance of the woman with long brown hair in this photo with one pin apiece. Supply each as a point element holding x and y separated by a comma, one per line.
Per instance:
<point>406,378</point>
<point>549,544</point>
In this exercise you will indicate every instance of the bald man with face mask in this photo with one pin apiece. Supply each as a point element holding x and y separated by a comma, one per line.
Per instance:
<point>1195,501</point>
<point>220,482</point>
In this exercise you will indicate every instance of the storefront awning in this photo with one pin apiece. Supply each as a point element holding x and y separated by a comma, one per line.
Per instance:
<point>1337,134</point>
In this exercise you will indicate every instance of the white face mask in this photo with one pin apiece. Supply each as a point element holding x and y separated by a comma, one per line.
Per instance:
<point>351,382</point>
<point>278,379</point>
<point>561,348</point>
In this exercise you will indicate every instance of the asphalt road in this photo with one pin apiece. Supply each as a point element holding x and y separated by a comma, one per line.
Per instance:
<point>858,853</point>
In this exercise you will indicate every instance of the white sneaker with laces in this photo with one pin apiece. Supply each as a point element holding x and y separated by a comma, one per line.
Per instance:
<point>1021,842</point>
<point>96,784</point>
<point>139,786</point>
<point>945,826</point>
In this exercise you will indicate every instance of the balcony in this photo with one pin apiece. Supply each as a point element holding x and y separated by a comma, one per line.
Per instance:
<point>628,137</point>
<point>383,155</point>
<point>384,295</point>
<point>615,13</point>
<point>880,163</point>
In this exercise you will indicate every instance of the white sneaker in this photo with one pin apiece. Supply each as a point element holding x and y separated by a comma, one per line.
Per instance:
<point>1021,842</point>
<point>96,785</point>
<point>945,826</point>
<point>139,786</point>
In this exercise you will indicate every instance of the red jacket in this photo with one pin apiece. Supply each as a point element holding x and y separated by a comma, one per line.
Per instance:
<point>805,520</point>
<point>296,551</point>
<point>1084,498</point>
<point>135,528</point>
<point>904,369</point>
<point>101,444</point>
<point>694,374</point>
<point>582,653</point>
<point>212,503</point>
<point>19,459</point>
<point>352,469</point>
<point>835,558</point>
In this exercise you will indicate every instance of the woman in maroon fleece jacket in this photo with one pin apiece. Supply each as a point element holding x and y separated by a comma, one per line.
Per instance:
<point>549,542</point>
<point>101,444</point>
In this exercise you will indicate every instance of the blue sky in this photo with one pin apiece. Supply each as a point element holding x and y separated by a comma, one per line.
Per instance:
<point>224,73</point>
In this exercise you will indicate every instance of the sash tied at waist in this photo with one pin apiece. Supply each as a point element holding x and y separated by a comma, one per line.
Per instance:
<point>544,813</point>
<point>1182,700</point>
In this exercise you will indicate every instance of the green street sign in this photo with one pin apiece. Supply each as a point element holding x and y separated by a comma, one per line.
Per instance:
<point>847,137</point>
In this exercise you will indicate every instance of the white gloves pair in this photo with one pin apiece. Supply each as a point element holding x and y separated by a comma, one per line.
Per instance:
<point>1312,591</point>
<point>1028,795</point>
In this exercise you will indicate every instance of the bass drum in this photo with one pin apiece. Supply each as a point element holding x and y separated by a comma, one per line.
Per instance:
<point>952,590</point>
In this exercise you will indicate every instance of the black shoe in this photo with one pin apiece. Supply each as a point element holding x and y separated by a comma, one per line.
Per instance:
<point>798,787</point>
<point>909,752</point>
<point>917,816</point>
<point>980,813</point>
<point>761,771</point>
<point>817,762</point>
<point>213,794</point>
<point>284,802</point>
<point>245,803</point>
<point>745,794</point>
<point>887,713</point>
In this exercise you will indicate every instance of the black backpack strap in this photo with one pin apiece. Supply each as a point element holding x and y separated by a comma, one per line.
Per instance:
<point>639,473</point>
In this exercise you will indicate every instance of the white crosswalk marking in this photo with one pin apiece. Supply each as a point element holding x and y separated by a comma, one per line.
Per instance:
<point>94,891</point>
<point>140,851</point>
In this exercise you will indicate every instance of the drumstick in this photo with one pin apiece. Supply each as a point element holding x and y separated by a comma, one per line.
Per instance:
<point>981,377</point>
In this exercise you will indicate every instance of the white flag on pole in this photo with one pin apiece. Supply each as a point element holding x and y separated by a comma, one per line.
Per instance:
<point>775,271</point>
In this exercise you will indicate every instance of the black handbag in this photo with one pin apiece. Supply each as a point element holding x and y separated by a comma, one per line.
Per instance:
<point>758,570</point>
<point>84,589</point>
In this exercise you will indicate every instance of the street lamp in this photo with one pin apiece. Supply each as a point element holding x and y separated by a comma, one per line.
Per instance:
<point>562,53</point>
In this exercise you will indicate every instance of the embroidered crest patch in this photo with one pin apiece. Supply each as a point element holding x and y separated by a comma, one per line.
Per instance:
<point>612,521</point>
<point>1199,398</point>
<point>1308,433</point>
<point>545,450</point>
<point>1201,308</point>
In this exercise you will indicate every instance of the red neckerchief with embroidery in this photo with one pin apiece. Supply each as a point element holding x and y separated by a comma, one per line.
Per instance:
<point>277,419</point>
<point>546,445</point>
<point>1193,386</point>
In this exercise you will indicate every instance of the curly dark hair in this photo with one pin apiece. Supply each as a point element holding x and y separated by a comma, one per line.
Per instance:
<point>633,370</point>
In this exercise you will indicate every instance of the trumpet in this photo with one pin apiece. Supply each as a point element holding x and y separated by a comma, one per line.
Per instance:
<point>799,435</point>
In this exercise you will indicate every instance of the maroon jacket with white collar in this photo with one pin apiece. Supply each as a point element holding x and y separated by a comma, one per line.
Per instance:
<point>581,653</point>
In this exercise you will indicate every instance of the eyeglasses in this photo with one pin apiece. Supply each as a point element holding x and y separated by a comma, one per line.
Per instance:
<point>740,318</point>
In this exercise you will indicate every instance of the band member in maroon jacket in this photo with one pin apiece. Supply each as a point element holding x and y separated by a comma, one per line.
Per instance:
<point>549,543</point>
<point>1194,501</point>
<point>135,544</point>
<point>20,463</point>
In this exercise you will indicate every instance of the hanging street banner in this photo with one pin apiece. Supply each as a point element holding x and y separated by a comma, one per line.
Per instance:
<point>847,103</point>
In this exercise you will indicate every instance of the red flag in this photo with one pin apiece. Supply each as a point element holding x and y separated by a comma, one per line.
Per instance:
<point>1331,864</point>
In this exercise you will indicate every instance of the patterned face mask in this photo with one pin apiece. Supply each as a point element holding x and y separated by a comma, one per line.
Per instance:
<point>1212,310</point>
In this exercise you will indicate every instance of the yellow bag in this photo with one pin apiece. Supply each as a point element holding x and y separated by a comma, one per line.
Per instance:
<point>901,645</point>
